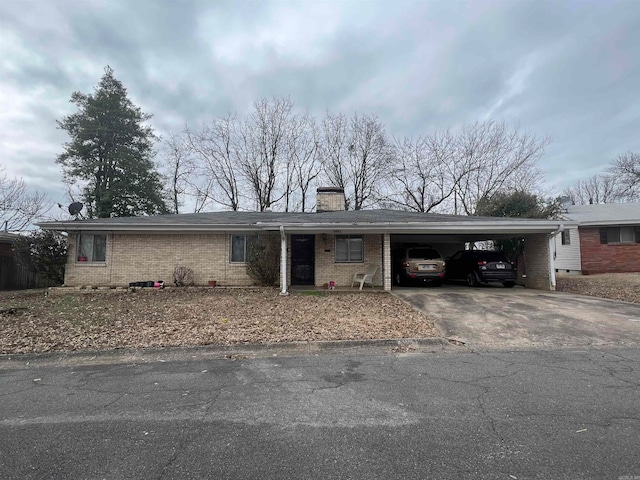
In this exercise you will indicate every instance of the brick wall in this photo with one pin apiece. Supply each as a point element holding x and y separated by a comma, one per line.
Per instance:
<point>342,273</point>
<point>536,262</point>
<point>132,258</point>
<point>609,257</point>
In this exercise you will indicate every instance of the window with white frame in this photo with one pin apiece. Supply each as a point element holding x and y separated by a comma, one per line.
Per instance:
<point>349,249</point>
<point>239,244</point>
<point>566,237</point>
<point>92,247</point>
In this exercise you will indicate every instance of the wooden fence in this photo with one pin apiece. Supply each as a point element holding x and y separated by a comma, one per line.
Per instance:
<point>14,276</point>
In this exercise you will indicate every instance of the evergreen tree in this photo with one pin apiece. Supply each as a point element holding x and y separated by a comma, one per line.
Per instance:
<point>110,155</point>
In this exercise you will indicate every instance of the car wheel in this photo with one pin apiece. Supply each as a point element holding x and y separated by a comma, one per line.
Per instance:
<point>472,281</point>
<point>508,284</point>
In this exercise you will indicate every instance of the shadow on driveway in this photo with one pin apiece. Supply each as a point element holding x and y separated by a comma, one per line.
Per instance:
<point>493,317</point>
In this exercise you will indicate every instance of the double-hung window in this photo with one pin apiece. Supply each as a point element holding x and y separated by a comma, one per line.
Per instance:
<point>349,249</point>
<point>239,244</point>
<point>619,235</point>
<point>92,247</point>
<point>566,237</point>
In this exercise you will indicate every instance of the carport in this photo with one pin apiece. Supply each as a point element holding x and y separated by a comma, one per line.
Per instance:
<point>448,234</point>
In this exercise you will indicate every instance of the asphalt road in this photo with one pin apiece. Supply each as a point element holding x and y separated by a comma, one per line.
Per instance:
<point>449,415</point>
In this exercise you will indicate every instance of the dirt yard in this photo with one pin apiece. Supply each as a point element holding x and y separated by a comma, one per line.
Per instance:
<point>616,286</point>
<point>31,322</point>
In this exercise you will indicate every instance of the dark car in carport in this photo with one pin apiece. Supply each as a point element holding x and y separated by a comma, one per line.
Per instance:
<point>481,266</point>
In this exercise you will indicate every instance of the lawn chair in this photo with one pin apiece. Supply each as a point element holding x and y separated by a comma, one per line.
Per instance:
<point>366,277</point>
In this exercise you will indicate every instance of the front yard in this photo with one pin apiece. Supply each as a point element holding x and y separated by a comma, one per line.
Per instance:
<point>31,322</point>
<point>615,286</point>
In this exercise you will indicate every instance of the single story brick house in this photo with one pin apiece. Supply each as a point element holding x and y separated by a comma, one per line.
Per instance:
<point>605,238</point>
<point>330,244</point>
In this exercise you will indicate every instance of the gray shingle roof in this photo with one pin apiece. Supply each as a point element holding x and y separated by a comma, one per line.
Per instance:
<point>359,220</point>
<point>606,213</point>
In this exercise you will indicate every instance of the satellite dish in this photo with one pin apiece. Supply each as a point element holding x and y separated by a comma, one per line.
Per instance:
<point>565,203</point>
<point>75,208</point>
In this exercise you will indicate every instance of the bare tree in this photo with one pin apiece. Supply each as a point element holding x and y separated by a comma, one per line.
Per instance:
<point>262,149</point>
<point>216,149</point>
<point>495,158</point>
<point>304,161</point>
<point>335,152</point>
<point>421,177</point>
<point>357,157</point>
<point>19,206</point>
<point>452,172</point>
<point>179,168</point>
<point>626,169</point>
<point>596,189</point>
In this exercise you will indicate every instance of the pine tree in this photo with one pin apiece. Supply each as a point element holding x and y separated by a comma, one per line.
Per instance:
<point>110,155</point>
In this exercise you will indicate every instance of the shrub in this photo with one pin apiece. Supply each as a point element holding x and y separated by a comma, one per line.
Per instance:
<point>263,259</point>
<point>182,276</point>
<point>44,252</point>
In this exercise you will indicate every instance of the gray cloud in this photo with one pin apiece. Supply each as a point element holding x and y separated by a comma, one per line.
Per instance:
<point>567,70</point>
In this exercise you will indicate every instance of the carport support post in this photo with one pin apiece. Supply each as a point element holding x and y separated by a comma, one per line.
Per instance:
<point>552,263</point>
<point>283,262</point>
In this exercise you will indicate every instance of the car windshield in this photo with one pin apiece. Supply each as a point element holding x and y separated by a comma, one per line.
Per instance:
<point>423,253</point>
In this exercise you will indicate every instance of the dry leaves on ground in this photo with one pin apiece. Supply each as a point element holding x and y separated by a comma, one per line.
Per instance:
<point>616,286</point>
<point>101,320</point>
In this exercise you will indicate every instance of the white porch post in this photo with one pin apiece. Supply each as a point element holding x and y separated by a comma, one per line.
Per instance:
<point>283,262</point>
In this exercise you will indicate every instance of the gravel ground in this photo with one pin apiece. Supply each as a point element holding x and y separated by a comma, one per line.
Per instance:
<point>31,322</point>
<point>616,286</point>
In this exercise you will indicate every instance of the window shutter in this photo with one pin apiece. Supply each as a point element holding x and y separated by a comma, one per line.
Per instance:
<point>603,235</point>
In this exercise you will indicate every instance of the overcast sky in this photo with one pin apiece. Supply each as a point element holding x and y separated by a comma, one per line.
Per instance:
<point>567,70</point>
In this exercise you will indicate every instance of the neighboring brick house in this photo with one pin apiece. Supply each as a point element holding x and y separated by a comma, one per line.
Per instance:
<point>605,239</point>
<point>327,245</point>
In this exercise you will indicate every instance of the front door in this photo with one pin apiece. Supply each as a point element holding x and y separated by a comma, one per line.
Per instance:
<point>303,254</point>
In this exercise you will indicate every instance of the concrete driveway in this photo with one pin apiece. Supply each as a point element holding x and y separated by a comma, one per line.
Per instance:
<point>494,317</point>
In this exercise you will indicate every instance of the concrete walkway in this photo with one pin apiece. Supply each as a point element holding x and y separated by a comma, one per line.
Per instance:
<point>495,317</point>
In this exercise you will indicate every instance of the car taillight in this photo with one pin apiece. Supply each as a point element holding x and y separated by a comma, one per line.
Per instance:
<point>482,262</point>
<point>405,264</point>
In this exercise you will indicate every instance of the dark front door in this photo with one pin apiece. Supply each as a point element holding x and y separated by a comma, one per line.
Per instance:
<point>303,254</point>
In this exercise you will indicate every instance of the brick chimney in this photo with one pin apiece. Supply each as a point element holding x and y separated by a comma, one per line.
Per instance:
<point>329,199</point>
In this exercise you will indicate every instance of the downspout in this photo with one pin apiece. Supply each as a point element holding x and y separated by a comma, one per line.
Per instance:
<point>283,262</point>
<point>552,255</point>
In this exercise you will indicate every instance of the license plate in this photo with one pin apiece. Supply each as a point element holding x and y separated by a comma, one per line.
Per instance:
<point>500,266</point>
<point>426,267</point>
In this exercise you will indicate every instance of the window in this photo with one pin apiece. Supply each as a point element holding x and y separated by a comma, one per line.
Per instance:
<point>239,245</point>
<point>619,235</point>
<point>92,247</point>
<point>349,249</point>
<point>566,237</point>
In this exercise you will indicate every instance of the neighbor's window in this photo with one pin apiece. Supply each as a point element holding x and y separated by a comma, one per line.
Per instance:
<point>349,249</point>
<point>566,237</point>
<point>618,235</point>
<point>239,245</point>
<point>92,247</point>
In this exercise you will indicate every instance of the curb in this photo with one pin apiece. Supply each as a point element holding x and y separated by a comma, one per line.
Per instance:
<point>166,354</point>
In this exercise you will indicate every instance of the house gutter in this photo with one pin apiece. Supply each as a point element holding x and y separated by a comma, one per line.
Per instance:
<point>283,262</point>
